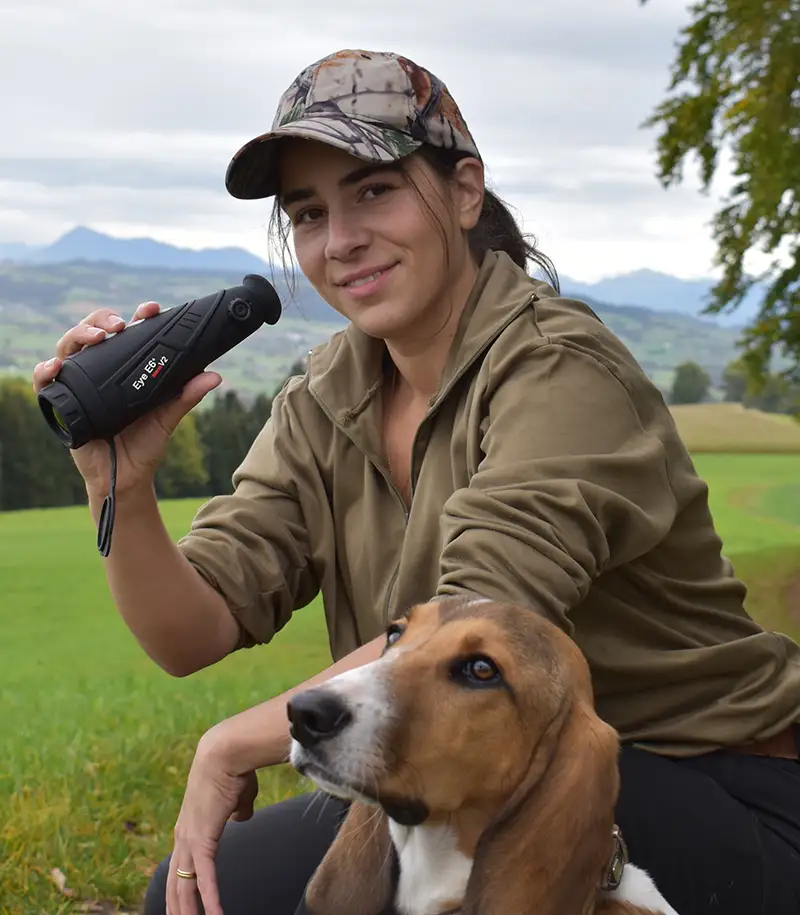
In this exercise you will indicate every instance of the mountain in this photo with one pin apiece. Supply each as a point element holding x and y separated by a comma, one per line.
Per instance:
<point>643,288</point>
<point>16,251</point>
<point>82,244</point>
<point>662,292</point>
<point>38,302</point>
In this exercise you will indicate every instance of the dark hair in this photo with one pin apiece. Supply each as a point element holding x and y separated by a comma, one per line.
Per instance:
<point>496,229</point>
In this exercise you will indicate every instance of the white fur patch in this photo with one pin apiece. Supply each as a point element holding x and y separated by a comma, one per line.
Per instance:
<point>350,754</point>
<point>433,872</point>
<point>638,888</point>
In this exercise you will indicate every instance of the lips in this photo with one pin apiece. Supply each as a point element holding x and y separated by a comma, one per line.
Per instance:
<point>362,277</point>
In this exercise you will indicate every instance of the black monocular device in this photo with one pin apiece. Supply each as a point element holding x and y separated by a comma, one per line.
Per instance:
<point>102,389</point>
<point>105,387</point>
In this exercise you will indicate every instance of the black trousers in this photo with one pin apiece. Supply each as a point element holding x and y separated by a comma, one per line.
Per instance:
<point>720,834</point>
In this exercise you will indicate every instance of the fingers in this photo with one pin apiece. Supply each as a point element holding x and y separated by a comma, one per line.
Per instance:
<point>207,885</point>
<point>181,891</point>
<point>88,331</point>
<point>45,372</point>
<point>247,799</point>
<point>91,329</point>
<point>193,392</point>
<point>184,894</point>
<point>146,310</point>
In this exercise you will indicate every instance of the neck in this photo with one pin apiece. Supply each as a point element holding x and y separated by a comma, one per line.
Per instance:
<point>435,861</point>
<point>421,357</point>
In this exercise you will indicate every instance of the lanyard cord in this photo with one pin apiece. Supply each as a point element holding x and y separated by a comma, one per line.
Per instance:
<point>106,525</point>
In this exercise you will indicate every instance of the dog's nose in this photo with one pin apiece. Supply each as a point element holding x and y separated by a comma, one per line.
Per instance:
<point>316,715</point>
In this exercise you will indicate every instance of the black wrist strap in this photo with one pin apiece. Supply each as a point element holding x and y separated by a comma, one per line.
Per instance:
<point>106,524</point>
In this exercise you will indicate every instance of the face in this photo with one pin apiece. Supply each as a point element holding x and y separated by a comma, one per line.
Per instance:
<point>455,681</point>
<point>370,246</point>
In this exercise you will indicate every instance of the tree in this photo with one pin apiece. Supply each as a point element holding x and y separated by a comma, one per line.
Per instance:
<point>225,432</point>
<point>734,382</point>
<point>36,470</point>
<point>690,385</point>
<point>183,472</point>
<point>741,61</point>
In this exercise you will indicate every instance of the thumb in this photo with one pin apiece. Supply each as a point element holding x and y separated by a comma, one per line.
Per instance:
<point>247,798</point>
<point>193,392</point>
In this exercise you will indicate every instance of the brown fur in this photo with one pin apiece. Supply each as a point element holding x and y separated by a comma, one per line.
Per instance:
<point>355,876</point>
<point>543,803</point>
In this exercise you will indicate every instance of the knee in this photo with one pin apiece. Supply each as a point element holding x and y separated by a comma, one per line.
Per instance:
<point>155,900</point>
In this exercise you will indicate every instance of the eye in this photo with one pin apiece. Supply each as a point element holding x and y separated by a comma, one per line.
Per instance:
<point>477,671</point>
<point>375,190</point>
<point>393,633</point>
<point>310,214</point>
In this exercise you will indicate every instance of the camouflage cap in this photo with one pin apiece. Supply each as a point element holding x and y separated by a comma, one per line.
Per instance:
<point>376,106</point>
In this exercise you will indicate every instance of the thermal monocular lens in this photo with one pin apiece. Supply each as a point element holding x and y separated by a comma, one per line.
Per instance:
<point>60,420</point>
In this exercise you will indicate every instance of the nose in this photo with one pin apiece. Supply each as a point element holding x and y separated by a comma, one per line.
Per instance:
<point>316,715</point>
<point>346,235</point>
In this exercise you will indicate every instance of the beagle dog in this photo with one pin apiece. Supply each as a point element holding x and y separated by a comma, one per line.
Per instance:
<point>482,782</point>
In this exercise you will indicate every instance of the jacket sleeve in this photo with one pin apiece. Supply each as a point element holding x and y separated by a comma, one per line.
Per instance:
<point>570,484</point>
<point>252,545</point>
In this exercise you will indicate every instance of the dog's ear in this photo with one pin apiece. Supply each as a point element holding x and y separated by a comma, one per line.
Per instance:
<point>357,875</point>
<point>547,851</point>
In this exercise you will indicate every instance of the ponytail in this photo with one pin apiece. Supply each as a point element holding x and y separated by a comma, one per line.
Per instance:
<point>496,229</point>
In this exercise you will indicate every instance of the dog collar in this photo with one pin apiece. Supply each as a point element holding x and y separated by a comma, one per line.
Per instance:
<point>619,858</point>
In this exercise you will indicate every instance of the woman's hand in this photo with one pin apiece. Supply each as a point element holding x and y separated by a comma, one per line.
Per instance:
<point>140,447</point>
<point>215,792</point>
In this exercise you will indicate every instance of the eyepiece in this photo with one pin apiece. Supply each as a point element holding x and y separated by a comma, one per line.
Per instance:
<point>265,299</point>
<point>103,388</point>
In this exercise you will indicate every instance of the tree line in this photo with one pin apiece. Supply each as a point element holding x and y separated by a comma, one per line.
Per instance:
<point>210,442</point>
<point>36,471</point>
<point>772,393</point>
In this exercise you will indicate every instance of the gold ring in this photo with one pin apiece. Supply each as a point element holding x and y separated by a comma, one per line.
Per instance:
<point>187,875</point>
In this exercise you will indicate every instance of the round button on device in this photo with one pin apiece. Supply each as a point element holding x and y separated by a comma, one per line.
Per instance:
<point>239,310</point>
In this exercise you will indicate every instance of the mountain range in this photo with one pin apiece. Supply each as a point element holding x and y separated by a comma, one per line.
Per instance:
<point>642,288</point>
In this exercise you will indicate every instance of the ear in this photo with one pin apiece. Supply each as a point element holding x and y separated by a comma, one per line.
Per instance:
<point>470,190</point>
<point>356,876</point>
<point>547,851</point>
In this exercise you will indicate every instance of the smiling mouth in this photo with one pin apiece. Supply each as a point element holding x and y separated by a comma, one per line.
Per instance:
<point>363,280</point>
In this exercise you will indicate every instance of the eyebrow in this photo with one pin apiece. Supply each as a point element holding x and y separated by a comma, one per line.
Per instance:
<point>353,177</point>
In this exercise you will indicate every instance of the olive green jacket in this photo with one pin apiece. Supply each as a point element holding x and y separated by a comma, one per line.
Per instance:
<point>548,472</point>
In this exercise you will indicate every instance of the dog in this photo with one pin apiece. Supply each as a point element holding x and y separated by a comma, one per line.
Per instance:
<point>481,780</point>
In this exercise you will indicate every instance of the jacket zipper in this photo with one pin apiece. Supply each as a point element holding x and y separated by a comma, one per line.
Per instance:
<point>390,483</point>
<point>428,416</point>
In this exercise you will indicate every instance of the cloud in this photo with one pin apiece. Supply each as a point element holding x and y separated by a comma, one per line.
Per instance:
<point>124,116</point>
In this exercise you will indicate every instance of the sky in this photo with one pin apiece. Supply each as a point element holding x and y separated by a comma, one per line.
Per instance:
<point>123,116</point>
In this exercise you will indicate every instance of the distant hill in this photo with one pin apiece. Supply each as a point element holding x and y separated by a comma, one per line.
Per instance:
<point>87,245</point>
<point>642,288</point>
<point>662,292</point>
<point>38,302</point>
<point>731,427</point>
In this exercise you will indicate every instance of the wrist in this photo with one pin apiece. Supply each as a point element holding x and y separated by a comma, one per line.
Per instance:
<point>139,494</point>
<point>253,739</point>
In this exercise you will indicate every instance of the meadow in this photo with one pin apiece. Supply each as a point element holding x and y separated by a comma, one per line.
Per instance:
<point>97,741</point>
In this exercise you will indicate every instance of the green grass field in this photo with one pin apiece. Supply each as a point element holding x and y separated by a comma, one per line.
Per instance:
<point>97,741</point>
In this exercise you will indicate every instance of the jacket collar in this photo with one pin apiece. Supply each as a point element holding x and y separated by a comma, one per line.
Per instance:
<point>345,374</point>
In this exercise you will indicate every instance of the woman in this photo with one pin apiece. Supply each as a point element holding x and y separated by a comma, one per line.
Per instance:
<point>470,431</point>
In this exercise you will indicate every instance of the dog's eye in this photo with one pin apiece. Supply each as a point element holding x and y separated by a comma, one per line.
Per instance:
<point>478,671</point>
<point>393,633</point>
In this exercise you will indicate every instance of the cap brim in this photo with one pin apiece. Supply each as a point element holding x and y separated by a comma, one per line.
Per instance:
<point>253,171</point>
